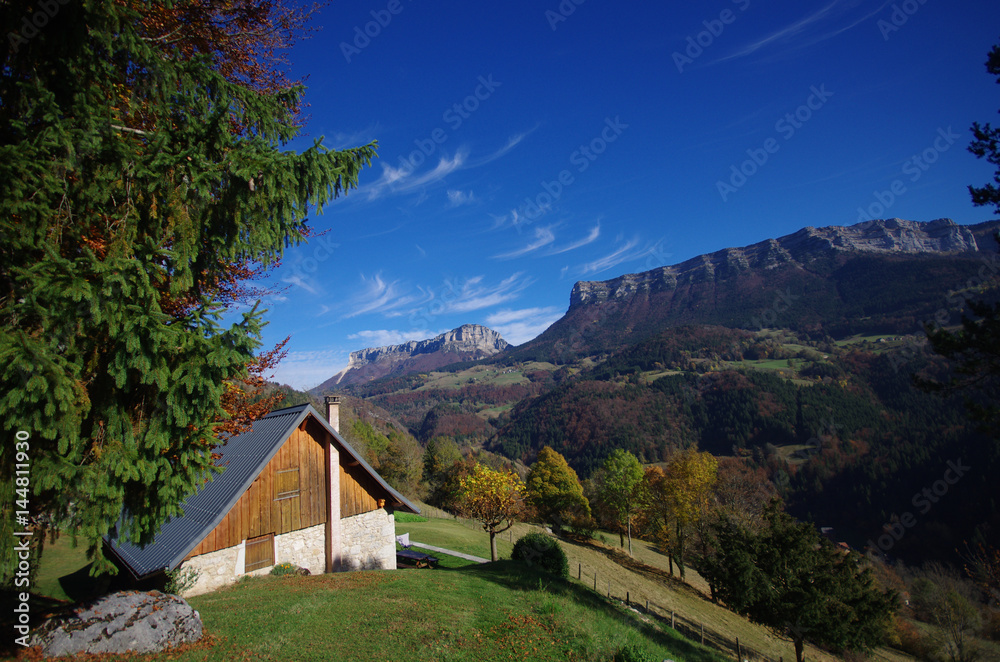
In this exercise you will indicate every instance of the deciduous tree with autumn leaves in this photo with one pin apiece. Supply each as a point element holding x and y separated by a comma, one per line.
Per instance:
<point>494,497</point>
<point>679,497</point>
<point>143,185</point>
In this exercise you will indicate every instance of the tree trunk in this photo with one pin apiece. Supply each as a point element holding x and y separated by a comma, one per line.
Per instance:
<point>680,550</point>
<point>621,537</point>
<point>798,650</point>
<point>493,546</point>
<point>630,536</point>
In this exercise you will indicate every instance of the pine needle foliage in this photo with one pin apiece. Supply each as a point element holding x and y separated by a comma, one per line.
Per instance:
<point>136,176</point>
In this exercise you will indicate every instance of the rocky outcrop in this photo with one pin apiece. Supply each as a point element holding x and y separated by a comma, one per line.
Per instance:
<point>888,236</point>
<point>466,343</point>
<point>119,623</point>
<point>466,339</point>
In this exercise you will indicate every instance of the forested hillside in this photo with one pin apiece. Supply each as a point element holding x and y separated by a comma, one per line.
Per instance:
<point>843,431</point>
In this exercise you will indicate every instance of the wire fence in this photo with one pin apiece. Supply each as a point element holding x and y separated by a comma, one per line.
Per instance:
<point>694,630</point>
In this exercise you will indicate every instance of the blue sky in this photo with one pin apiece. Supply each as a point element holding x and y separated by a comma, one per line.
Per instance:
<point>525,146</point>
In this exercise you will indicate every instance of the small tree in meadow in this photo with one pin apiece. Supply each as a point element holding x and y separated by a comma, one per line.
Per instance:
<point>495,498</point>
<point>620,489</point>
<point>554,490</point>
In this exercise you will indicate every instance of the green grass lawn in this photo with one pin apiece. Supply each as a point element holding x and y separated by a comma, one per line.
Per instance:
<point>502,611</point>
<point>452,535</point>
<point>459,611</point>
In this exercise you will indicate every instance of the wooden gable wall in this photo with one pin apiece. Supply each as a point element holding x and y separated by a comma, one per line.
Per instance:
<point>359,493</point>
<point>270,505</point>
<point>260,512</point>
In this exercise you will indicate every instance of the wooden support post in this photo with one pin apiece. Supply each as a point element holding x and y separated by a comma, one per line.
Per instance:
<point>579,572</point>
<point>627,600</point>
<point>739,653</point>
<point>672,620</point>
<point>703,633</point>
<point>647,605</point>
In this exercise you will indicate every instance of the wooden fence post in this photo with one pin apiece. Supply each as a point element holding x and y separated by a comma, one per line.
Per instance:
<point>672,620</point>
<point>703,633</point>
<point>739,655</point>
<point>579,572</point>
<point>609,588</point>
<point>627,601</point>
<point>595,581</point>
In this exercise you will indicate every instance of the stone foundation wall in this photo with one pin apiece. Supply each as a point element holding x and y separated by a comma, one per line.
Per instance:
<point>368,541</point>
<point>305,548</point>
<point>215,569</point>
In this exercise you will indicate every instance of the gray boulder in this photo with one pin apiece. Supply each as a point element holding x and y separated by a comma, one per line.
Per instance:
<point>120,622</point>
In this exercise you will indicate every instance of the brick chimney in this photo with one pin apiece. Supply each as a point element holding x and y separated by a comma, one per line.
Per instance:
<point>333,411</point>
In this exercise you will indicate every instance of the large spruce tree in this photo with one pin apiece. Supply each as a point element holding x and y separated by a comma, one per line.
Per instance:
<point>141,176</point>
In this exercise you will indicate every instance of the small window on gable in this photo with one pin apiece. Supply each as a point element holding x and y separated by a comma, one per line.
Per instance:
<point>260,552</point>
<point>286,484</point>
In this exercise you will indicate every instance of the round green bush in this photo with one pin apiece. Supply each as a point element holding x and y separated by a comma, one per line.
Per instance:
<point>284,569</point>
<point>541,551</point>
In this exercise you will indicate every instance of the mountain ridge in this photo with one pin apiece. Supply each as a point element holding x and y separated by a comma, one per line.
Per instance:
<point>465,343</point>
<point>888,275</point>
<point>892,236</point>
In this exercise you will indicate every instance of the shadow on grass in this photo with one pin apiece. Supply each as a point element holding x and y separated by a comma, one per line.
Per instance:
<point>518,576</point>
<point>79,586</point>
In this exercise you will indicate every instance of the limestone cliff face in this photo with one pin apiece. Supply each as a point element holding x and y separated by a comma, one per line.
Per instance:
<point>468,338</point>
<point>466,343</point>
<point>893,235</point>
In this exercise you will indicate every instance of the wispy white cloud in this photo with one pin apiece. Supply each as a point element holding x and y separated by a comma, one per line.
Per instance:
<point>543,237</point>
<point>393,299</point>
<point>405,178</point>
<point>357,138</point>
<point>515,219</point>
<point>473,294</point>
<point>457,198</point>
<point>511,143</point>
<point>595,232</point>
<point>627,251</point>
<point>299,281</point>
<point>787,31</point>
<point>796,29</point>
<point>520,326</point>
<point>621,254</point>
<point>306,369</point>
<point>380,296</point>
<point>385,337</point>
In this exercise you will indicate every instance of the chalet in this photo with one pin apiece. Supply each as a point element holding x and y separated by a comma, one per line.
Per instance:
<point>292,491</point>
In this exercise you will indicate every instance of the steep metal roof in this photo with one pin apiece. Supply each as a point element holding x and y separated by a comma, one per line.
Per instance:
<point>244,456</point>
